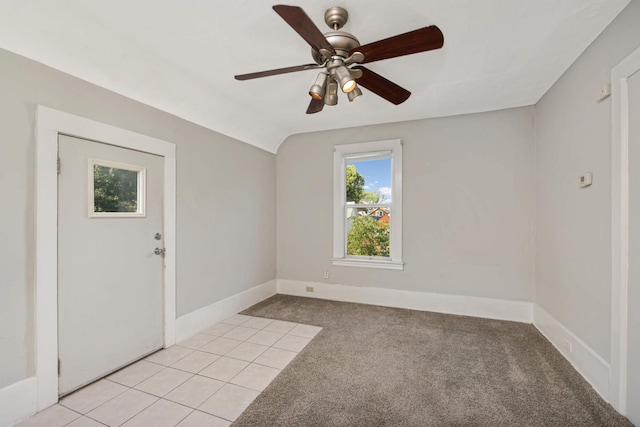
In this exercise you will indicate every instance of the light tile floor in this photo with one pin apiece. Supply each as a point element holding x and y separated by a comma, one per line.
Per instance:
<point>207,380</point>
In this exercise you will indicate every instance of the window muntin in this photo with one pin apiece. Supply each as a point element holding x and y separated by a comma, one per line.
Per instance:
<point>115,190</point>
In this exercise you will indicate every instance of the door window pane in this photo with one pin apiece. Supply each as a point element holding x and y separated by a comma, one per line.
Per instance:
<point>116,190</point>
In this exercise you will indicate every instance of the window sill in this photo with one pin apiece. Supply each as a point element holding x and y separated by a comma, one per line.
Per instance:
<point>368,263</point>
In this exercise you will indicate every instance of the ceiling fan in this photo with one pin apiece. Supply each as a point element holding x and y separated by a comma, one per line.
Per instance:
<point>338,53</point>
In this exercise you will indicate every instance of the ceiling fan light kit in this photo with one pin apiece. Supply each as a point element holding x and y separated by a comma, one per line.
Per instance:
<point>354,94</point>
<point>319,88</point>
<point>341,74</point>
<point>340,53</point>
<point>331,97</point>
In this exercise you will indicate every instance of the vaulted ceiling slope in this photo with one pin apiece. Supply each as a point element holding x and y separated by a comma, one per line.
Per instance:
<point>181,56</point>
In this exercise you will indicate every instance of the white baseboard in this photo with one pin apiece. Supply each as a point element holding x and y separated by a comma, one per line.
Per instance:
<point>517,311</point>
<point>18,401</point>
<point>194,322</point>
<point>589,364</point>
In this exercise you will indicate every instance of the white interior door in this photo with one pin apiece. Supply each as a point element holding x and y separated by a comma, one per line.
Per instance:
<point>633,319</point>
<point>109,277</point>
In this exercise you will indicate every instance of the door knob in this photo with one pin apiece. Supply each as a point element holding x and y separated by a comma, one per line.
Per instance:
<point>159,251</point>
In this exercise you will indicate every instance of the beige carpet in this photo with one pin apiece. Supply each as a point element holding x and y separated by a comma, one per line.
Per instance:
<point>377,366</point>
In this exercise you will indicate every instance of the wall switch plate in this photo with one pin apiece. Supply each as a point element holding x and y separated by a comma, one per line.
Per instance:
<point>585,180</point>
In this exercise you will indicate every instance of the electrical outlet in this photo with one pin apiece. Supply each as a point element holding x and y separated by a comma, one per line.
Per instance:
<point>326,274</point>
<point>585,180</point>
<point>567,345</point>
<point>309,288</point>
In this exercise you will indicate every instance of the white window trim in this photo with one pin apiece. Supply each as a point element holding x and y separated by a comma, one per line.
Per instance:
<point>343,153</point>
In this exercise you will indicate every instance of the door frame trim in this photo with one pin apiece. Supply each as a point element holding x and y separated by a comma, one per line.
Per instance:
<point>50,123</point>
<point>620,227</point>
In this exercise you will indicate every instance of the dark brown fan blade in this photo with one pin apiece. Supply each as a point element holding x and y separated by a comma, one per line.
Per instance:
<point>315,106</point>
<point>421,40</point>
<point>276,71</point>
<point>303,25</point>
<point>382,87</point>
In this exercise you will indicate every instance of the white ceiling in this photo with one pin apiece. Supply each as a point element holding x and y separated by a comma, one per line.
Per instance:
<point>181,55</point>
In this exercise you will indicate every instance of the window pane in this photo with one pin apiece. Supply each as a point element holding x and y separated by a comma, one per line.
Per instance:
<point>114,190</point>
<point>368,231</point>
<point>369,181</point>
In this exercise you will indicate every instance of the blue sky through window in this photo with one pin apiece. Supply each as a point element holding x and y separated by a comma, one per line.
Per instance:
<point>377,175</point>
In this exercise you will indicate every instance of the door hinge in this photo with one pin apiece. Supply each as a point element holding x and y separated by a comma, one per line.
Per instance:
<point>58,366</point>
<point>58,165</point>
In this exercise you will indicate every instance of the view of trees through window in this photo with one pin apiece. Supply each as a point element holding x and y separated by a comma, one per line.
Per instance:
<point>114,190</point>
<point>368,208</point>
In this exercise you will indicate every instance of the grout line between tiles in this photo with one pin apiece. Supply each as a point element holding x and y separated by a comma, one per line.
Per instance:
<point>188,407</point>
<point>130,388</point>
<point>100,379</point>
<point>75,419</point>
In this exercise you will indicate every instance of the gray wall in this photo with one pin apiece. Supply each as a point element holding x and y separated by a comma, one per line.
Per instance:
<point>573,225</point>
<point>467,205</point>
<point>226,200</point>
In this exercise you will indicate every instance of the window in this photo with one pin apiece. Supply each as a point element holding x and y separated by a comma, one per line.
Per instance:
<point>116,190</point>
<point>367,205</point>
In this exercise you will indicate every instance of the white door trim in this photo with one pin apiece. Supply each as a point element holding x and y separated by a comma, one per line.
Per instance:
<point>620,226</point>
<point>50,123</point>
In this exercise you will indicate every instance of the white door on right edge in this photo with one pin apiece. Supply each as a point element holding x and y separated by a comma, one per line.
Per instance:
<point>633,321</point>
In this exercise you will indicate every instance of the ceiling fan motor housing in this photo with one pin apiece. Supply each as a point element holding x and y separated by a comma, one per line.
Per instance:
<point>341,41</point>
